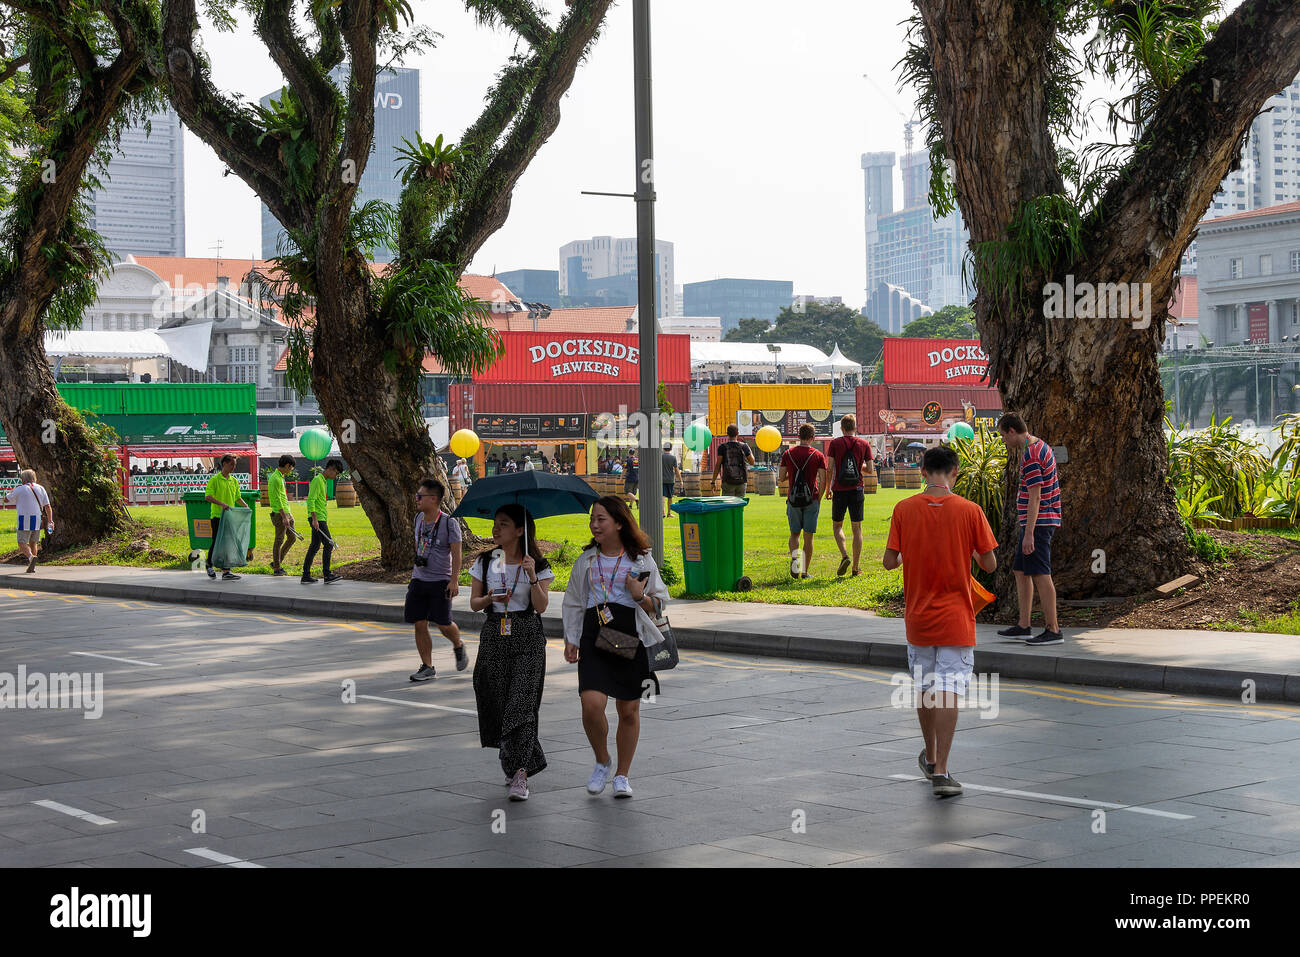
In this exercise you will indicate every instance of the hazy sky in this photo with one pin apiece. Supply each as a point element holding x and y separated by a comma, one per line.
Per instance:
<point>761,115</point>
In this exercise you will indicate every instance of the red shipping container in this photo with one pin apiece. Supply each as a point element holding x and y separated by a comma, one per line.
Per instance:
<point>563,358</point>
<point>934,361</point>
<point>468,400</point>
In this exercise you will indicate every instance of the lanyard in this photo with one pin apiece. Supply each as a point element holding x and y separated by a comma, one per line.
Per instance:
<point>600,571</point>
<point>518,568</point>
<point>426,541</point>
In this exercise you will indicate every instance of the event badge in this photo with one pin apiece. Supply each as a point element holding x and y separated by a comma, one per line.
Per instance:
<point>505,625</point>
<point>604,614</point>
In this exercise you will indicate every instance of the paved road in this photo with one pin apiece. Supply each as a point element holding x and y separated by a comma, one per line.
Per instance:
<point>237,719</point>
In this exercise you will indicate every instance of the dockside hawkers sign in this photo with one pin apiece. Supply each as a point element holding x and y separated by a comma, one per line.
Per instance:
<point>570,354</point>
<point>934,361</point>
<point>959,360</point>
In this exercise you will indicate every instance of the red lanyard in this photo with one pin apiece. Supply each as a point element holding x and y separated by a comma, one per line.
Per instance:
<point>600,571</point>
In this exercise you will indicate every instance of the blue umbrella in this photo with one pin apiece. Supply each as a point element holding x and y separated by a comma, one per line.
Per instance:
<point>542,493</point>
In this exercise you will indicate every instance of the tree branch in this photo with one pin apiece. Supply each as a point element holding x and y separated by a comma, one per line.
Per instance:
<point>522,16</point>
<point>216,120</point>
<point>360,27</point>
<point>13,66</point>
<point>58,18</point>
<point>275,27</point>
<point>1195,137</point>
<point>484,207</point>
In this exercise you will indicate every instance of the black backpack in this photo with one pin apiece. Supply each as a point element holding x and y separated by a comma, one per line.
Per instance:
<point>733,463</point>
<point>846,472</point>
<point>801,493</point>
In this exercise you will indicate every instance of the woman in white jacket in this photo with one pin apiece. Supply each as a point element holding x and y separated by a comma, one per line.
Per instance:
<point>616,584</point>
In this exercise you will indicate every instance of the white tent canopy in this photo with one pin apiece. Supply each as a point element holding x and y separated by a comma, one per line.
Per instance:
<point>794,358</point>
<point>837,364</point>
<point>186,345</point>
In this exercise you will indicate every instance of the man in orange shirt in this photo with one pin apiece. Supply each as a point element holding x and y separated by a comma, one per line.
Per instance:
<point>939,532</point>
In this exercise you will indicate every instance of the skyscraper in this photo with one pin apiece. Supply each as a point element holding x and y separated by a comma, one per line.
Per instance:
<point>397,117</point>
<point>584,263</point>
<point>910,249</point>
<point>141,209</point>
<point>1270,165</point>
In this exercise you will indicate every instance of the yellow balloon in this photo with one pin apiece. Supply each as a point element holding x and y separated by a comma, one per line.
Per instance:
<point>464,443</point>
<point>768,439</point>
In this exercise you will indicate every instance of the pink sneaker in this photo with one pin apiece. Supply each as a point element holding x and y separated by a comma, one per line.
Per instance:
<point>519,786</point>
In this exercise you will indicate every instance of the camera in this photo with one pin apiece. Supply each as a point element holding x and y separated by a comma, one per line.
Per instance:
<point>421,561</point>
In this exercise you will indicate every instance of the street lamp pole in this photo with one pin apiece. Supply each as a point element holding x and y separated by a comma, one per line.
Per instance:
<point>647,282</point>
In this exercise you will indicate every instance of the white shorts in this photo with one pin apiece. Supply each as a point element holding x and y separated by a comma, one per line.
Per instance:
<point>943,667</point>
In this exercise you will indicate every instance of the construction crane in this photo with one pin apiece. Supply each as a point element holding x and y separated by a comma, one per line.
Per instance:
<point>908,124</point>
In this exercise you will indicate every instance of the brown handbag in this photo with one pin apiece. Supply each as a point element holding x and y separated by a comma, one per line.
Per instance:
<point>616,642</point>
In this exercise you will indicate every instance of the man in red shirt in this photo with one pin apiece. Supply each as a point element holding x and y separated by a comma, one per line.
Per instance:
<point>939,532</point>
<point>805,468</point>
<point>849,460</point>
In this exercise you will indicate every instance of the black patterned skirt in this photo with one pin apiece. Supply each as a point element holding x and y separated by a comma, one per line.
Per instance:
<point>509,673</point>
<point>623,678</point>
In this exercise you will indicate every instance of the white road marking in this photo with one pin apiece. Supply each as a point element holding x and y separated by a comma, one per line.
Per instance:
<point>74,812</point>
<point>1061,799</point>
<point>221,858</point>
<point>417,704</point>
<point>129,661</point>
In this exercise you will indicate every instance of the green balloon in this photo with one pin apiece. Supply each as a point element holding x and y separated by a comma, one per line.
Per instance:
<point>697,437</point>
<point>315,444</point>
<point>961,430</point>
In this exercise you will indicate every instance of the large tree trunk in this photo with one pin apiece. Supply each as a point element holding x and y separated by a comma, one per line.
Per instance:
<point>1093,385</point>
<point>77,471</point>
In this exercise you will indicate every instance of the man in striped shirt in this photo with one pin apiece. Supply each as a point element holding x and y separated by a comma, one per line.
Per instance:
<point>1038,507</point>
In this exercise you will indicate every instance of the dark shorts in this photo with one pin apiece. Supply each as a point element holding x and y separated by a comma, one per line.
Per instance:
<point>668,490</point>
<point>427,601</point>
<point>851,500</point>
<point>1040,562</point>
<point>630,486</point>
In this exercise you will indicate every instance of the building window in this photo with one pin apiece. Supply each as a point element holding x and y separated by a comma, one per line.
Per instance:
<point>1266,265</point>
<point>1234,321</point>
<point>1295,313</point>
<point>1234,267</point>
<point>1295,260</point>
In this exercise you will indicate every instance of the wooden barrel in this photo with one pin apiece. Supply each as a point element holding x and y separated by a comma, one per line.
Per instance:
<point>345,495</point>
<point>869,483</point>
<point>886,478</point>
<point>457,489</point>
<point>908,478</point>
<point>765,482</point>
<point>691,487</point>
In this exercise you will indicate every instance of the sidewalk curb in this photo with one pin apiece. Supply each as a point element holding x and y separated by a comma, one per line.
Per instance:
<point>1027,665</point>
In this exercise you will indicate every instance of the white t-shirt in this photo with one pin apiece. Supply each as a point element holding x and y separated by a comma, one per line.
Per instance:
<point>528,466</point>
<point>461,472</point>
<point>602,568</point>
<point>29,500</point>
<point>506,579</point>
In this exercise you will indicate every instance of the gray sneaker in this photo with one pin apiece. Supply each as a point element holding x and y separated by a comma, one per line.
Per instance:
<point>1046,638</point>
<point>519,786</point>
<point>945,785</point>
<point>462,661</point>
<point>927,767</point>
<point>425,673</point>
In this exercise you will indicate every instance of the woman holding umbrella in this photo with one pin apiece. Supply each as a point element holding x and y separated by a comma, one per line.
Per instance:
<point>614,589</point>
<point>510,583</point>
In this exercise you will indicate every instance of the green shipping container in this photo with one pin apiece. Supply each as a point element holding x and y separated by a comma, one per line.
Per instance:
<point>152,398</point>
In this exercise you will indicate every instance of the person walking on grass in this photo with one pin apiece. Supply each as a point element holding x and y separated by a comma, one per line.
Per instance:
<point>32,503</point>
<point>435,579</point>
<point>222,493</point>
<point>672,474</point>
<point>614,589</point>
<point>1038,510</point>
<point>732,463</point>
<point>285,534</point>
<point>934,535</point>
<point>320,530</point>
<point>804,467</point>
<point>511,585</point>
<point>850,460</point>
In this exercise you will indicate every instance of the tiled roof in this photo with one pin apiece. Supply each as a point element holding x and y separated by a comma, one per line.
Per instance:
<point>605,320</point>
<point>1183,306</point>
<point>1252,214</point>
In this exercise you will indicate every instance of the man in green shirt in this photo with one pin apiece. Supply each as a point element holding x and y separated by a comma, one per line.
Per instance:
<point>223,493</point>
<point>281,517</point>
<point>320,530</point>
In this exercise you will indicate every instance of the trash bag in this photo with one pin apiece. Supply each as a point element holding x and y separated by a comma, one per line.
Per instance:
<point>231,547</point>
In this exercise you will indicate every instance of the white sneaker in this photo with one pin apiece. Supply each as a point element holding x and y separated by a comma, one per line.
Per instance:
<point>621,788</point>
<point>596,783</point>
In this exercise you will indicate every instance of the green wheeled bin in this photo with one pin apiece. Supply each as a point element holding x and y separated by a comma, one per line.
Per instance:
<point>198,521</point>
<point>713,543</point>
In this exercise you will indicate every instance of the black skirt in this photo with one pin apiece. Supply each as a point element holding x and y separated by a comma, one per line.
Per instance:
<point>509,674</point>
<point>625,679</point>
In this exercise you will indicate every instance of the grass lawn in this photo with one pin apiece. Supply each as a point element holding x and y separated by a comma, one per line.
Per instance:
<point>767,561</point>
